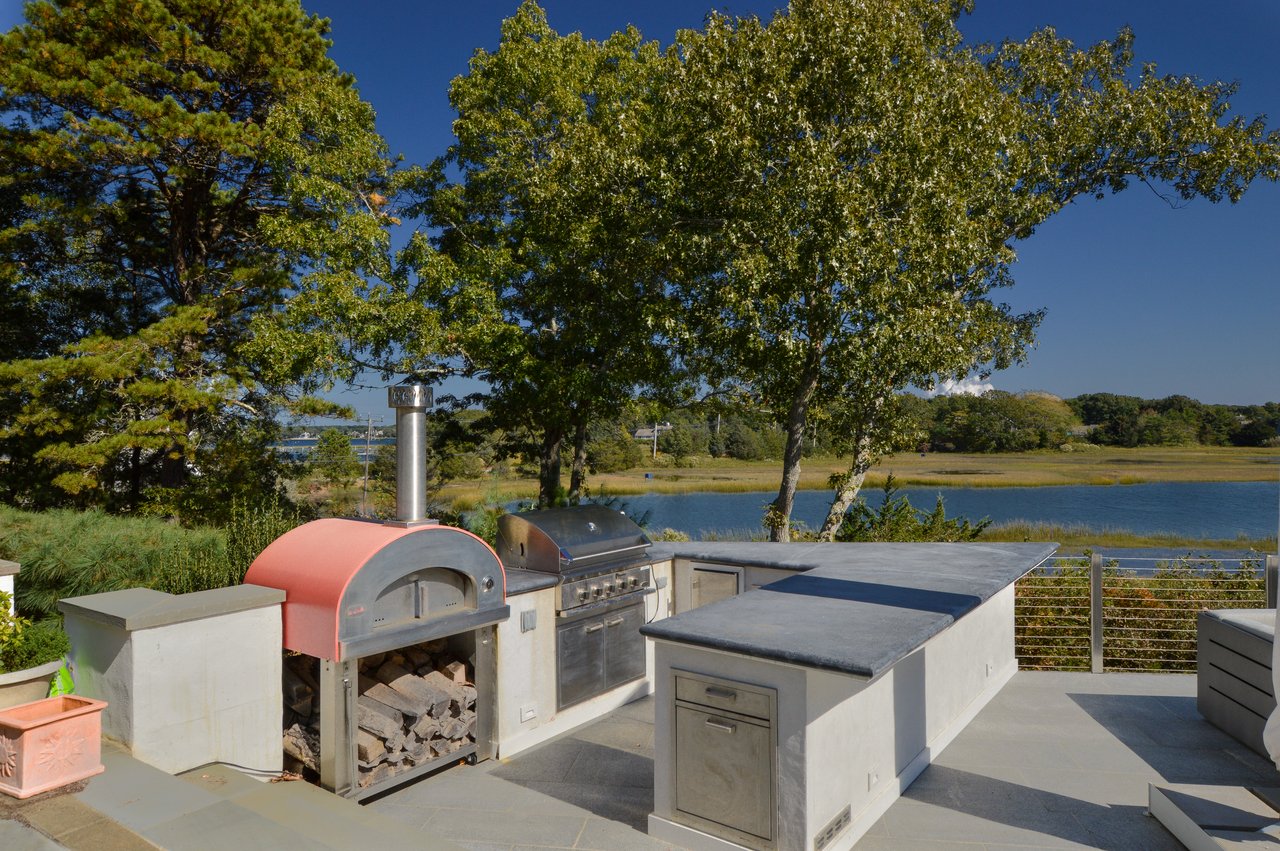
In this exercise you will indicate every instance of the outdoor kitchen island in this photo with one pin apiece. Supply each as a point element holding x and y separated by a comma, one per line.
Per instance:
<point>791,715</point>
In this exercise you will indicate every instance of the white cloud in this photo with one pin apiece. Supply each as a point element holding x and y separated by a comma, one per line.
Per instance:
<point>965,387</point>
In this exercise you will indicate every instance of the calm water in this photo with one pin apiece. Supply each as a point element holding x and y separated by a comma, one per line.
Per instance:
<point>1197,509</point>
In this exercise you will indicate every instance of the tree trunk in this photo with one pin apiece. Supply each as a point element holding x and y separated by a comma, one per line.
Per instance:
<point>578,472</point>
<point>778,518</point>
<point>549,468</point>
<point>847,487</point>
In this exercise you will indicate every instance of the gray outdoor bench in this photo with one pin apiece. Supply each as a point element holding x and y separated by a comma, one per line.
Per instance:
<point>1233,681</point>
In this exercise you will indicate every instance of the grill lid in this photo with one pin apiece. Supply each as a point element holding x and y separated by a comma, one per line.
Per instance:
<point>557,540</point>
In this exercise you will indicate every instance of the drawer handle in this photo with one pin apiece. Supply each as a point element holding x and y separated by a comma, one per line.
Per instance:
<point>723,726</point>
<point>722,693</point>
<point>614,622</point>
<point>595,627</point>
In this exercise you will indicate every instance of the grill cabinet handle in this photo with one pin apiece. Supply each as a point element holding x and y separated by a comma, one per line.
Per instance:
<point>595,627</point>
<point>723,726</point>
<point>614,622</point>
<point>722,693</point>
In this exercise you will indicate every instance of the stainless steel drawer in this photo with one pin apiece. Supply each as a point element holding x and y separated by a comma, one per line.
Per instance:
<point>724,770</point>
<point>725,695</point>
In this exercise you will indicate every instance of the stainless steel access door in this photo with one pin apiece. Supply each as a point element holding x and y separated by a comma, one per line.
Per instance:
<point>724,769</point>
<point>597,652</point>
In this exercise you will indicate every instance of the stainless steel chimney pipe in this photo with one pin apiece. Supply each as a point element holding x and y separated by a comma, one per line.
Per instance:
<point>411,402</point>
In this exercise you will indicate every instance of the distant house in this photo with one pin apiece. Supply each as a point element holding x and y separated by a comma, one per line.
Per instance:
<point>648,433</point>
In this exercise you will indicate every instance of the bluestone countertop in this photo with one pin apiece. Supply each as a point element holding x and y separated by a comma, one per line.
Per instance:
<point>852,608</point>
<point>521,581</point>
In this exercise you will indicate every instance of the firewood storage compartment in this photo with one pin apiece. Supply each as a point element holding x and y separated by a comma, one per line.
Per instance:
<point>389,630</point>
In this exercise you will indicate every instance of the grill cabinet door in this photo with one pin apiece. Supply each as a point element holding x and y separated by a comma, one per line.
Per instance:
<point>624,645</point>
<point>580,660</point>
<point>724,770</point>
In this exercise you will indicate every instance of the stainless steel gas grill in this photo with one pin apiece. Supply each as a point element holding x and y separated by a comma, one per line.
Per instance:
<point>601,559</point>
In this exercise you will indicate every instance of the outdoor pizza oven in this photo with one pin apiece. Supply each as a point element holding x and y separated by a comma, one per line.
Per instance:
<point>390,672</point>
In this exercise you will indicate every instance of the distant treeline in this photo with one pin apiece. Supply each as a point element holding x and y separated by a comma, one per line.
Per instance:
<point>466,447</point>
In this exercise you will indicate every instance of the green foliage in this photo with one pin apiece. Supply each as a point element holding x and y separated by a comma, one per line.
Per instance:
<point>612,449</point>
<point>67,553</point>
<point>1000,422</point>
<point>842,246</point>
<point>1149,622</point>
<point>334,459</point>
<point>1174,421</point>
<point>897,520</point>
<point>558,299</point>
<point>170,177</point>
<point>24,644</point>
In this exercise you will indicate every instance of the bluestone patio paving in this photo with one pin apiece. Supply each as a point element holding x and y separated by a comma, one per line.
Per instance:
<point>1056,760</point>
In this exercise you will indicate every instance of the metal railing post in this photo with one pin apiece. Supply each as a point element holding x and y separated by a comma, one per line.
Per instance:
<point>1271,567</point>
<point>1095,612</point>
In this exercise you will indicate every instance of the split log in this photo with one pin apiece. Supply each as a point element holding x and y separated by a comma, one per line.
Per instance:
<point>453,728</point>
<point>397,741</point>
<point>468,719</point>
<point>436,646</point>
<point>378,718</point>
<point>416,657</point>
<point>374,775</point>
<point>307,668</point>
<point>455,671</point>
<point>297,694</point>
<point>468,693</point>
<point>419,751</point>
<point>415,688</point>
<point>369,748</point>
<point>385,694</point>
<point>303,746</point>
<point>443,747</point>
<point>371,663</point>
<point>426,727</point>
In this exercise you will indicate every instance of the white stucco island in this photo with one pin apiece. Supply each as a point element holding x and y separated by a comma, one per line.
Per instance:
<point>791,715</point>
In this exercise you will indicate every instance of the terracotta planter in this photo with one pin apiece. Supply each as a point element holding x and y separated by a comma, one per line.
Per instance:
<point>49,743</point>
<point>27,685</point>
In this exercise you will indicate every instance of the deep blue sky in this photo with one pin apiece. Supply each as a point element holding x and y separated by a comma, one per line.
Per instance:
<point>1142,299</point>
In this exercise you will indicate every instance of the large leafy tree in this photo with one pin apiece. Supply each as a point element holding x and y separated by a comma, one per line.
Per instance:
<point>549,227</point>
<point>172,169</point>
<point>853,181</point>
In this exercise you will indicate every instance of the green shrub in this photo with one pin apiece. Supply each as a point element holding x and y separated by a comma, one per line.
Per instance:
<point>68,553</point>
<point>35,644</point>
<point>24,644</point>
<point>898,520</point>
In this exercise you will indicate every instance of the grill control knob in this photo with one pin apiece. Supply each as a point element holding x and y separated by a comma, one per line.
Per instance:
<point>584,594</point>
<point>596,590</point>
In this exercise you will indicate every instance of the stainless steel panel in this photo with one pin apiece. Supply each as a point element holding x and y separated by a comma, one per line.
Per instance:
<point>555,540</point>
<point>580,660</point>
<point>623,646</point>
<point>411,402</point>
<point>710,585</point>
<point>725,696</point>
<point>338,725</point>
<point>724,770</point>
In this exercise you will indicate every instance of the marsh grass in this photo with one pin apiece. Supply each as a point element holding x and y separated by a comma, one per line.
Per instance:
<point>1105,466</point>
<point>1077,537</point>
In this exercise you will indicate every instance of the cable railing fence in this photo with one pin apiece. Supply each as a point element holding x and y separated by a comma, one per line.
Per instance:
<point>1095,613</point>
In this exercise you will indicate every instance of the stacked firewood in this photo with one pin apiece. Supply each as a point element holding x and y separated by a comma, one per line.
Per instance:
<point>415,705</point>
